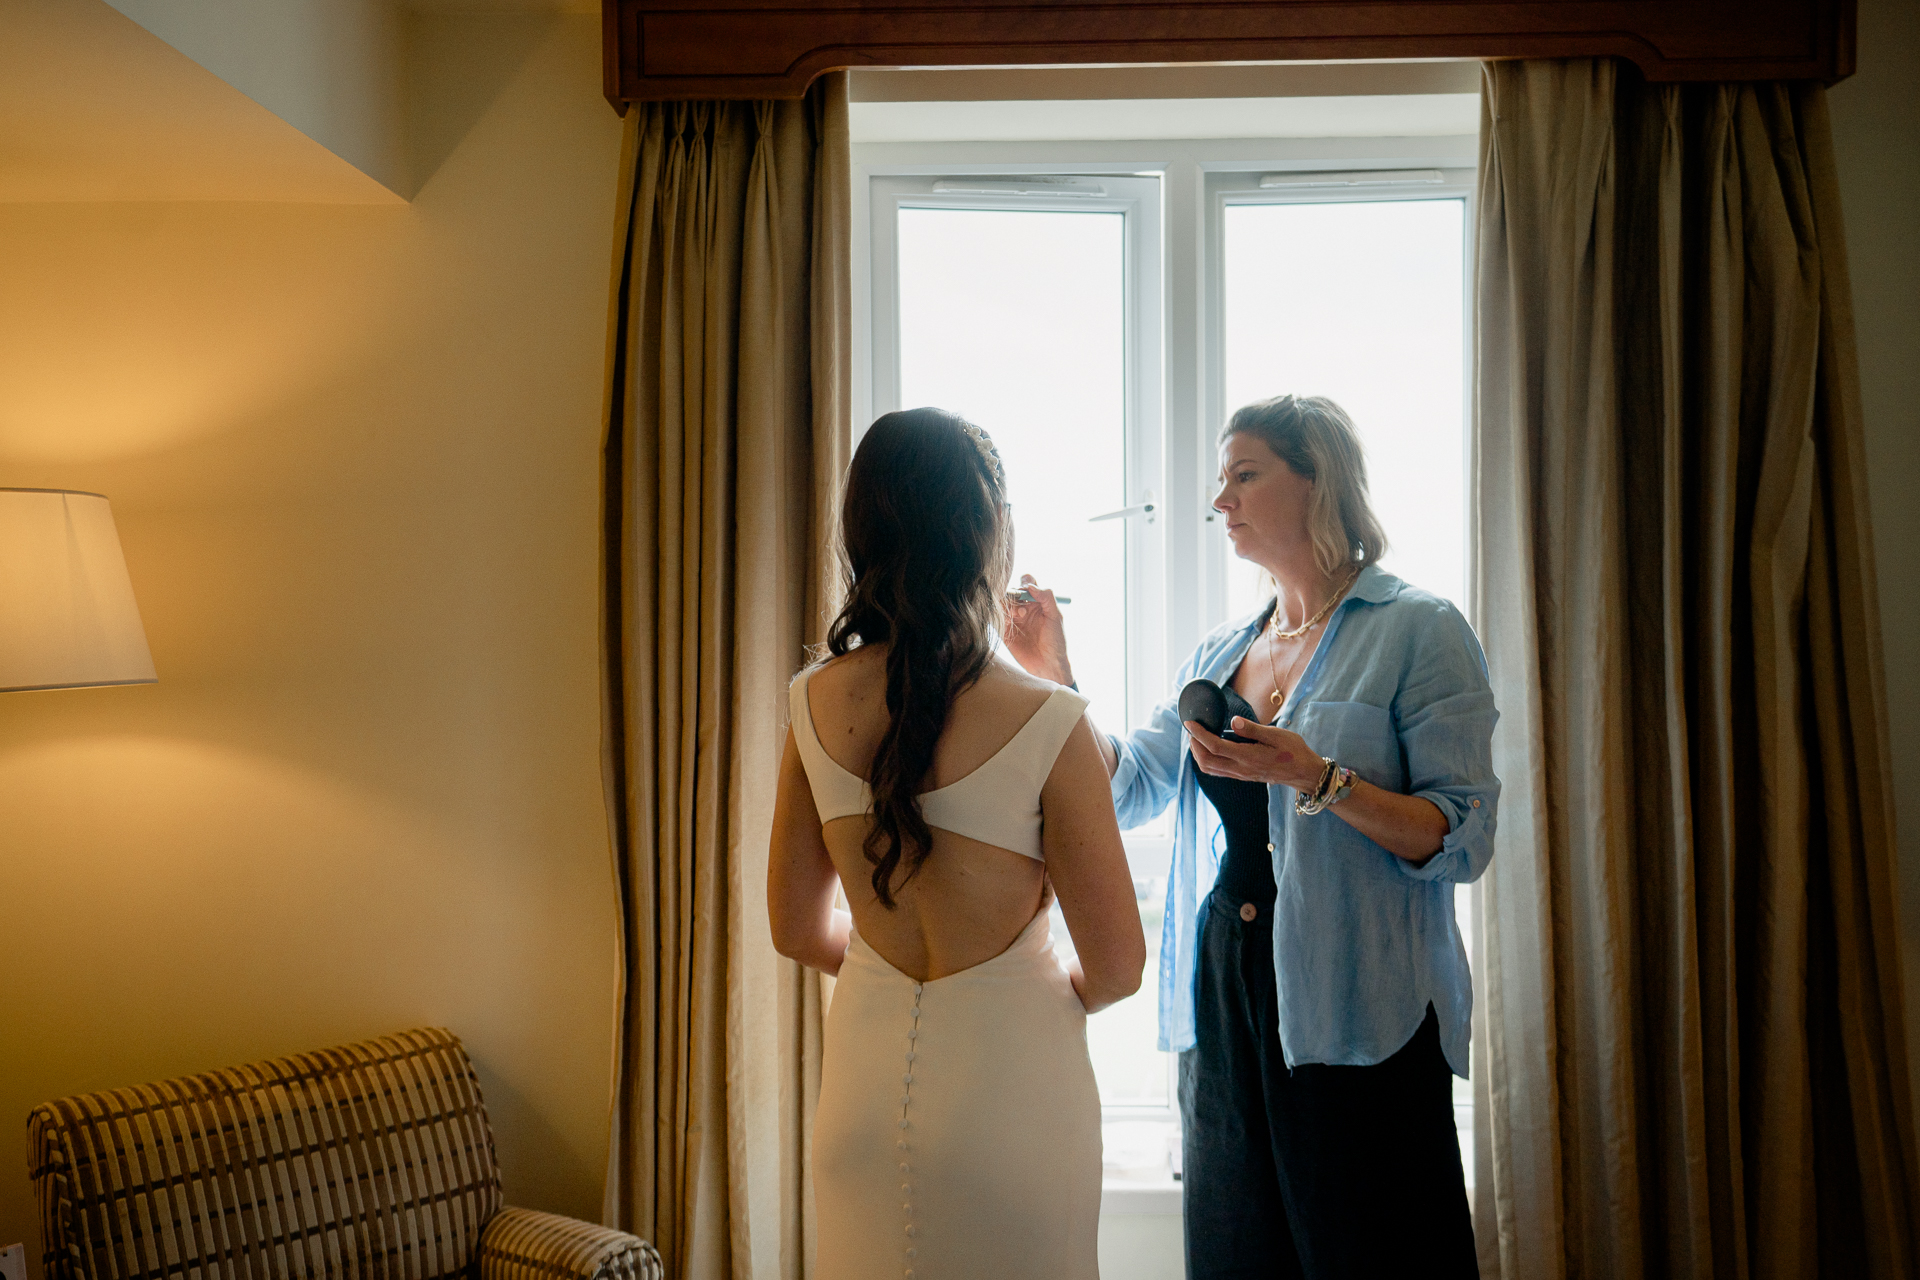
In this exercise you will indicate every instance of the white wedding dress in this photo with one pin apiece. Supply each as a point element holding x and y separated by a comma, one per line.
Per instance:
<point>958,1133</point>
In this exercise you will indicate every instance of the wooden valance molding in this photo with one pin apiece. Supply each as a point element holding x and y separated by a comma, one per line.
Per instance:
<point>676,49</point>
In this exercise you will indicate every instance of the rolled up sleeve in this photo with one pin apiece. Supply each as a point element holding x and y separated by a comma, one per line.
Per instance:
<point>1445,717</point>
<point>1148,775</point>
<point>1147,778</point>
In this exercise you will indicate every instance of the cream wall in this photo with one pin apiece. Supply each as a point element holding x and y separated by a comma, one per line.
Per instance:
<point>1876,134</point>
<point>353,454</point>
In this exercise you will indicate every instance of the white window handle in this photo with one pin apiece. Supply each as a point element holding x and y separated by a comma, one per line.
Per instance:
<point>1138,509</point>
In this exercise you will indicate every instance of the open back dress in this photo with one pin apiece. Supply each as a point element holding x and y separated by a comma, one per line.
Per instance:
<point>958,1133</point>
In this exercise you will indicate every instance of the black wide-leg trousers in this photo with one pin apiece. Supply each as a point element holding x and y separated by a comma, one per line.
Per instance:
<point>1321,1172</point>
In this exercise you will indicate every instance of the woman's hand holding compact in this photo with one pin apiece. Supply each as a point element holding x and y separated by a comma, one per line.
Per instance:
<point>1270,754</point>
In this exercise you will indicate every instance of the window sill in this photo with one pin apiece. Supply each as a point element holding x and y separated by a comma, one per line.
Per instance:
<point>1140,1199</point>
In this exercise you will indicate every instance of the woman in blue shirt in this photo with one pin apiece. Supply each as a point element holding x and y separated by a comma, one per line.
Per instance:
<point>1312,976</point>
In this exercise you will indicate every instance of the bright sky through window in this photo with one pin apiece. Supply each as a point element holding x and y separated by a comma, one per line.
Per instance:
<point>1015,320</point>
<point>1362,302</point>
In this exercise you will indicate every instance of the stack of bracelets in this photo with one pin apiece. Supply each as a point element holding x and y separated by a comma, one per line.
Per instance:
<point>1334,785</point>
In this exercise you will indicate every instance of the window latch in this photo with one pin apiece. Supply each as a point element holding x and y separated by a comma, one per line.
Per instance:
<point>1137,509</point>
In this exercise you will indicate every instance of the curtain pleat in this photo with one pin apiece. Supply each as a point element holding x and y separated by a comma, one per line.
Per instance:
<point>1690,1053</point>
<point>718,429</point>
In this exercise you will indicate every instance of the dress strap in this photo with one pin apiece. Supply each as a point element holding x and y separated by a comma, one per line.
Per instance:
<point>837,792</point>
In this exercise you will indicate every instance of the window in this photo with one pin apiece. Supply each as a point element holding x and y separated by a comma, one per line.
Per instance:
<point>1101,315</point>
<point>1363,301</point>
<point>1032,308</point>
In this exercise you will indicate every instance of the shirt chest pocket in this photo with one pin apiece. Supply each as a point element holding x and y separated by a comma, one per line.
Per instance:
<point>1359,735</point>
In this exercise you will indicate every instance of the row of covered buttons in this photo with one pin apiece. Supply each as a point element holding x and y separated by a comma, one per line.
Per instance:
<point>906,1100</point>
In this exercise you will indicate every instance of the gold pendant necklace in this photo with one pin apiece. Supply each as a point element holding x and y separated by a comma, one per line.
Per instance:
<point>1279,694</point>
<point>1273,624</point>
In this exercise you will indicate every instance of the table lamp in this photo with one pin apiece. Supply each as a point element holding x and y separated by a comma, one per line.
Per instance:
<point>67,616</point>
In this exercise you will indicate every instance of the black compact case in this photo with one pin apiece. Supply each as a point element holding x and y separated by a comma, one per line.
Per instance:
<point>1213,708</point>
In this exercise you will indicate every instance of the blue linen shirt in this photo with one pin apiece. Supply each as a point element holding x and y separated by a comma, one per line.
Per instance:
<point>1363,940</point>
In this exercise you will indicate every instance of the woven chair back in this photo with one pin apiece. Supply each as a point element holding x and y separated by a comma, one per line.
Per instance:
<point>372,1161</point>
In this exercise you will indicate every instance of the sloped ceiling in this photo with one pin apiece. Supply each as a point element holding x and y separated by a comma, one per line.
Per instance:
<point>94,107</point>
<point>286,101</point>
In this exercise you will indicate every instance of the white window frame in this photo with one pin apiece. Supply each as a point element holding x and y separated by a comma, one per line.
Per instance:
<point>1137,201</point>
<point>1197,179</point>
<point>1242,187</point>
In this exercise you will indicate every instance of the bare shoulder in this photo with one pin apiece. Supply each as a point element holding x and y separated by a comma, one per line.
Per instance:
<point>1010,680</point>
<point>851,675</point>
<point>1005,688</point>
<point>1000,668</point>
<point>852,690</point>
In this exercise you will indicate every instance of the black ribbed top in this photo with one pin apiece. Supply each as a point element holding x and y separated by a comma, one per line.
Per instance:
<point>1246,870</point>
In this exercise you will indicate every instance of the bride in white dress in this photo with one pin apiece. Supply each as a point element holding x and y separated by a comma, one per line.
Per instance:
<point>951,795</point>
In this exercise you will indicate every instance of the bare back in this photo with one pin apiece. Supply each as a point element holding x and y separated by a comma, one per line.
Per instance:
<point>970,899</point>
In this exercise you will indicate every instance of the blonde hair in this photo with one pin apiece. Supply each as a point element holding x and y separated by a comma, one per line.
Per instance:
<point>1316,439</point>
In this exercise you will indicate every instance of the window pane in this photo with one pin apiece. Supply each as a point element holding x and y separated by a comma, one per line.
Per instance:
<point>1363,302</point>
<point>1121,1038</point>
<point>1016,320</point>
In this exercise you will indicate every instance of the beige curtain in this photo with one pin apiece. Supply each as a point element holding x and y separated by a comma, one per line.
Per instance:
<point>1689,1050</point>
<point>726,430</point>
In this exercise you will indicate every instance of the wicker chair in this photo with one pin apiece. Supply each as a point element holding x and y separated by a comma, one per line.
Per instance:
<point>373,1161</point>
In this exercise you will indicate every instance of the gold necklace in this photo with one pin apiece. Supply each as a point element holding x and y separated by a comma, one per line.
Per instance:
<point>1273,624</point>
<point>1279,694</point>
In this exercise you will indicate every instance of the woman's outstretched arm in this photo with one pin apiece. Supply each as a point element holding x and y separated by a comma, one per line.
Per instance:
<point>1144,766</point>
<point>800,877</point>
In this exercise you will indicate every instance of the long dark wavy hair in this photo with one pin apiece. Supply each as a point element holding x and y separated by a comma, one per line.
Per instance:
<point>927,542</point>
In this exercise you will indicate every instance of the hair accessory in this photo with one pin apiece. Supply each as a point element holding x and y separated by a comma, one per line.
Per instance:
<point>984,443</point>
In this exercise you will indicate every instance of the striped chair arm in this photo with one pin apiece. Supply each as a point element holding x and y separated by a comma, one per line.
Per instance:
<point>520,1244</point>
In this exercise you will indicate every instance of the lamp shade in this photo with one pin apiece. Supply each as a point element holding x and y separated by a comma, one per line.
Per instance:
<point>67,616</point>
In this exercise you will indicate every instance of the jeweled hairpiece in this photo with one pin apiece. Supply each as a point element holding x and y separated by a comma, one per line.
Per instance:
<point>984,443</point>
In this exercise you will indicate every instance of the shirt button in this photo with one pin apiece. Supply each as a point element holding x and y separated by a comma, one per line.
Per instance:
<point>1248,911</point>
<point>1269,848</point>
<point>1476,804</point>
